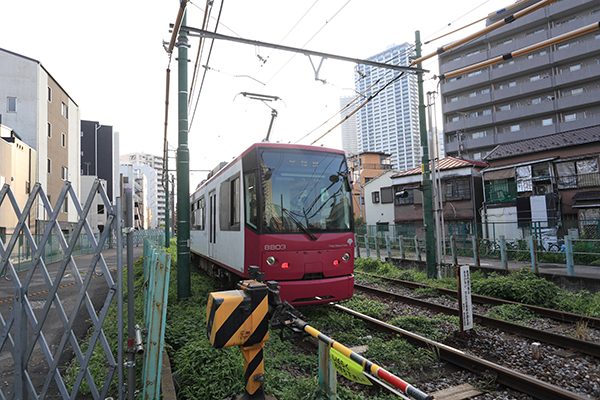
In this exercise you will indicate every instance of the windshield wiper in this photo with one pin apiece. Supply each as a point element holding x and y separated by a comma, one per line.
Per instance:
<point>300,224</point>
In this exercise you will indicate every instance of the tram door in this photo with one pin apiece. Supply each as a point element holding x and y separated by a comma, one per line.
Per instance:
<point>212,224</point>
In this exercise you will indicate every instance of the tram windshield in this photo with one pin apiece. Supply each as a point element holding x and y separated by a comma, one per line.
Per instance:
<point>304,192</point>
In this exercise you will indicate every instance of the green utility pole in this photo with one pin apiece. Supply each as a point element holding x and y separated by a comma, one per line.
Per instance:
<point>426,181</point>
<point>166,184</point>
<point>183,173</point>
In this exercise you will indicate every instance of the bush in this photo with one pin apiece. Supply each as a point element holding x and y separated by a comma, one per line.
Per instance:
<point>522,286</point>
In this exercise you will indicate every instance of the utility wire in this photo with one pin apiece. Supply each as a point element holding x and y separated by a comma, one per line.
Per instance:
<point>291,30</point>
<point>191,122</point>
<point>200,47</point>
<point>309,40</point>
<point>220,23</point>
<point>359,107</point>
<point>403,54</point>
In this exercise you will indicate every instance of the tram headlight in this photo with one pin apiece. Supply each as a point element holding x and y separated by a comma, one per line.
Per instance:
<point>346,257</point>
<point>271,260</point>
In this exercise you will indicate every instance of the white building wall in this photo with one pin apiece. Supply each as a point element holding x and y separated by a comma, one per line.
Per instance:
<point>16,75</point>
<point>74,161</point>
<point>378,212</point>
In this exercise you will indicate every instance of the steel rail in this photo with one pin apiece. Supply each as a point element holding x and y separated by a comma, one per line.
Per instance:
<point>556,315</point>
<point>582,346</point>
<point>513,379</point>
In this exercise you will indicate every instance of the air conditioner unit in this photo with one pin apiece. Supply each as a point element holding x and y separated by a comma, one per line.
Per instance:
<point>541,190</point>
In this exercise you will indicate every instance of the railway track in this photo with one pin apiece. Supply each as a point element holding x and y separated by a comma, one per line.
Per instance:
<point>506,376</point>
<point>582,346</point>
<point>543,312</point>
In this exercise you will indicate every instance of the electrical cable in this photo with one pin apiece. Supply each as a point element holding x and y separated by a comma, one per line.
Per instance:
<point>403,54</point>
<point>287,34</point>
<point>359,107</point>
<point>309,40</point>
<point>220,23</point>
<point>191,122</point>
<point>200,47</point>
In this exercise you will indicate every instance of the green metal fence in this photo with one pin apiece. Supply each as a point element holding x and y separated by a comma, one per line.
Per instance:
<point>569,242</point>
<point>157,267</point>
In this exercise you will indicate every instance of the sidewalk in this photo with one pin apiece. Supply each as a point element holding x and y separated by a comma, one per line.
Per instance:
<point>581,271</point>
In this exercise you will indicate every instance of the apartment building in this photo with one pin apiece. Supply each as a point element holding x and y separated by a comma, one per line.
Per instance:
<point>40,111</point>
<point>156,163</point>
<point>389,123</point>
<point>551,90</point>
<point>100,155</point>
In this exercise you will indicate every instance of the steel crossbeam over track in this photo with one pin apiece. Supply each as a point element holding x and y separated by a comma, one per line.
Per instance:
<point>212,35</point>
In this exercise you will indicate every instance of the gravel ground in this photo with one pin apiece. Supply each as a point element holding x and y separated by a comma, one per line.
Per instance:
<point>571,371</point>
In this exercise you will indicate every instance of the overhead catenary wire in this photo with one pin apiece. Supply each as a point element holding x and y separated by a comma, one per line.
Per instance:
<point>205,69</point>
<point>410,48</point>
<point>293,27</point>
<point>359,107</point>
<point>308,41</point>
<point>200,46</point>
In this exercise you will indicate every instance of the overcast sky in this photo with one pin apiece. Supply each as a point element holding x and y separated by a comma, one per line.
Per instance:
<point>108,55</point>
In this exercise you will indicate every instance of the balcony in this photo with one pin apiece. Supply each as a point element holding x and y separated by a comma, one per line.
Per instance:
<point>500,192</point>
<point>578,181</point>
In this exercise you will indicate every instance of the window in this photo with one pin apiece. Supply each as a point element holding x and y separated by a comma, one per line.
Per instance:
<point>49,94</point>
<point>515,128</point>
<point>250,200</point>
<point>63,140</point>
<point>11,105</point>
<point>375,197</point>
<point>65,173</point>
<point>387,195</point>
<point>100,208</point>
<point>49,166</point>
<point>49,130</point>
<point>65,205</point>
<point>547,122</point>
<point>570,117</point>
<point>65,110</point>
<point>458,189</point>
<point>235,202</point>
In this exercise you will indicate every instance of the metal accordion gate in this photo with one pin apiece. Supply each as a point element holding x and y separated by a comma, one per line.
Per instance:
<point>43,307</point>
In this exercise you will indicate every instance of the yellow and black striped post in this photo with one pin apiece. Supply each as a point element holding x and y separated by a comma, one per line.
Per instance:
<point>240,318</point>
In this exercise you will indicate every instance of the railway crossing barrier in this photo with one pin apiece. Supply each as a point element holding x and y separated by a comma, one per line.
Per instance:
<point>241,318</point>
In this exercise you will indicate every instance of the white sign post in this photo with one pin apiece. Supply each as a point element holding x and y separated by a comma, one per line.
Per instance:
<point>466,309</point>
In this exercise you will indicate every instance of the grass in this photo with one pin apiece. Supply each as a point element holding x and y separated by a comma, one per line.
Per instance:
<point>520,286</point>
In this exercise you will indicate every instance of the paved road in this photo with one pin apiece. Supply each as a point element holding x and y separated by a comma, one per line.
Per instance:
<point>53,328</point>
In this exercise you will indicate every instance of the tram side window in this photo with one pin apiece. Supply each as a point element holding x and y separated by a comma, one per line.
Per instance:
<point>229,204</point>
<point>251,205</point>
<point>200,214</point>
<point>234,202</point>
<point>197,215</point>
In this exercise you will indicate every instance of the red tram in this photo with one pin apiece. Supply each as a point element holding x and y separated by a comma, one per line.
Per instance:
<point>286,209</point>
